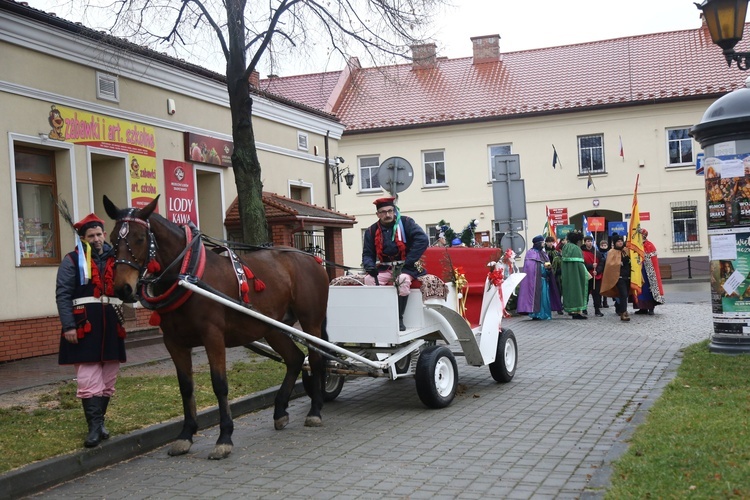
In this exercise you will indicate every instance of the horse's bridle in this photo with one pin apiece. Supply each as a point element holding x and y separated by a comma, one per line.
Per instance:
<point>142,268</point>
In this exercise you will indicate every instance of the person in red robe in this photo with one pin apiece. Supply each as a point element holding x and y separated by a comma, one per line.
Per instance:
<point>652,291</point>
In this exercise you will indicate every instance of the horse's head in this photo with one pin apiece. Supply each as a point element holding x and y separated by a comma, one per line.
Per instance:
<point>134,247</point>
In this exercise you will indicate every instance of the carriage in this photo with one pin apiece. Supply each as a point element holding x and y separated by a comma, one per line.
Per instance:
<point>208,298</point>
<point>364,339</point>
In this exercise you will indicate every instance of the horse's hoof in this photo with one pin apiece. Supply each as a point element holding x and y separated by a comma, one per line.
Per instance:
<point>220,451</point>
<point>312,421</point>
<point>280,423</point>
<point>179,447</point>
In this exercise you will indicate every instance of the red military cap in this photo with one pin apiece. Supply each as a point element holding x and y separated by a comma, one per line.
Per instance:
<point>91,220</point>
<point>384,202</point>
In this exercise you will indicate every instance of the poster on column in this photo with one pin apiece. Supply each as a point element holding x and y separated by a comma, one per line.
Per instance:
<point>728,191</point>
<point>106,132</point>
<point>179,184</point>
<point>730,279</point>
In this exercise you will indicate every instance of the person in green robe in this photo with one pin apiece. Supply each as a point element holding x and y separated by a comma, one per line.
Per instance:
<point>574,277</point>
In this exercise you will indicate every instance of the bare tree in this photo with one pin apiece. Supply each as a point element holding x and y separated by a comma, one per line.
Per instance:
<point>248,31</point>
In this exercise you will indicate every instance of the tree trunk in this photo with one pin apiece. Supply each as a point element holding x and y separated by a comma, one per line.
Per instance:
<point>245,163</point>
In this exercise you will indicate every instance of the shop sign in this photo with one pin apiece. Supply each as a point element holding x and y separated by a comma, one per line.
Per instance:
<point>106,132</point>
<point>209,150</point>
<point>179,183</point>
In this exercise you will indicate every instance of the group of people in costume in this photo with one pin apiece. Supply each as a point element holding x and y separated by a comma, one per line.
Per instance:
<point>562,278</point>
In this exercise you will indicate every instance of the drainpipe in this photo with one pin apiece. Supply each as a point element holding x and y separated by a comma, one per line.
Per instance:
<point>328,174</point>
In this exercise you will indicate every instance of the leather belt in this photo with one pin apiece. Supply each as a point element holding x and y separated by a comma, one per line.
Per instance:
<point>104,299</point>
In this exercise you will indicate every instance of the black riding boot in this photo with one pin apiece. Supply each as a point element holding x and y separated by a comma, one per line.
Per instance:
<point>401,309</point>
<point>105,403</point>
<point>93,410</point>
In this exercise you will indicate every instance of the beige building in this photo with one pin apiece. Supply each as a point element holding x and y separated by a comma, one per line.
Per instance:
<point>87,115</point>
<point>614,111</point>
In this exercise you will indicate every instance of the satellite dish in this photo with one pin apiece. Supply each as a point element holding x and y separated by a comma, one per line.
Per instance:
<point>395,174</point>
<point>514,241</point>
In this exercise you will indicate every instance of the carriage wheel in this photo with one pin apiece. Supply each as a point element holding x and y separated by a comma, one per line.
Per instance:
<point>436,376</point>
<point>504,367</point>
<point>332,385</point>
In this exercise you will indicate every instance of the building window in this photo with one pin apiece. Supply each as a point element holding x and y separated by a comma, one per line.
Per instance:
<point>679,147</point>
<point>38,232</point>
<point>368,173</point>
<point>591,154</point>
<point>434,168</point>
<point>107,87</point>
<point>302,141</point>
<point>685,226</point>
<point>497,150</point>
<point>433,232</point>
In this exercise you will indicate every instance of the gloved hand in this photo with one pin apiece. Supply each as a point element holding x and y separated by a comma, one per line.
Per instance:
<point>372,271</point>
<point>409,264</point>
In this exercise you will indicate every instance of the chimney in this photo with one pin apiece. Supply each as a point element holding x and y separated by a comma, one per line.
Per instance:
<point>254,80</point>
<point>423,56</point>
<point>486,48</point>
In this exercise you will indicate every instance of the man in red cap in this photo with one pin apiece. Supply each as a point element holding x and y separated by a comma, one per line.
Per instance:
<point>92,333</point>
<point>394,237</point>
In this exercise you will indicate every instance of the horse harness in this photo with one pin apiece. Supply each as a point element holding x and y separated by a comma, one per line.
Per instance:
<point>192,262</point>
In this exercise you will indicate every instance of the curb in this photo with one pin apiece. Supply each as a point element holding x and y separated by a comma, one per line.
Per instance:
<point>39,476</point>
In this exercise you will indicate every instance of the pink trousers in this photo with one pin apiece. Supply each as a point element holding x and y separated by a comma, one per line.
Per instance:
<point>386,278</point>
<point>96,379</point>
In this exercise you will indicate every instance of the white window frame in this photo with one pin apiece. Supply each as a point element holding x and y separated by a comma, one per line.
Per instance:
<point>434,165</point>
<point>114,80</point>
<point>682,206</point>
<point>491,156</point>
<point>680,142</point>
<point>39,141</point>
<point>303,141</point>
<point>371,175</point>
<point>586,169</point>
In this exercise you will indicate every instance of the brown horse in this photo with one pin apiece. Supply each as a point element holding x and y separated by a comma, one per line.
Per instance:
<point>151,252</point>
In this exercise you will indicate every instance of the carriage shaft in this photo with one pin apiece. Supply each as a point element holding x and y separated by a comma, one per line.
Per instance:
<point>282,326</point>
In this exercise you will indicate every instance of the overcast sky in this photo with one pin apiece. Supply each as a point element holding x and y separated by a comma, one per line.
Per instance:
<point>525,24</point>
<point>521,24</point>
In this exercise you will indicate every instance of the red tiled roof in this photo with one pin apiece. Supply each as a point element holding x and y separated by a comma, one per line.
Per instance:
<point>634,70</point>
<point>279,207</point>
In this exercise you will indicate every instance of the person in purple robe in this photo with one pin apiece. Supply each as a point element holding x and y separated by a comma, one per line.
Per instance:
<point>538,294</point>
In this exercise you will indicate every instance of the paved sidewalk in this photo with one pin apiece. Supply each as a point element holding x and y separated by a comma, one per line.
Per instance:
<point>550,433</point>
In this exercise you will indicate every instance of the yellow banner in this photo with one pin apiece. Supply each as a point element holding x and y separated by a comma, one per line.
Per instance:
<point>102,131</point>
<point>635,245</point>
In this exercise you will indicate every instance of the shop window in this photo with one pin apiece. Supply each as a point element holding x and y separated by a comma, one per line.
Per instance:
<point>591,154</point>
<point>679,147</point>
<point>685,226</point>
<point>433,163</point>
<point>36,188</point>
<point>368,173</point>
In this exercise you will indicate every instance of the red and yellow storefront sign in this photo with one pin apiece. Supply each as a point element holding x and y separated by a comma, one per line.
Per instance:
<point>102,131</point>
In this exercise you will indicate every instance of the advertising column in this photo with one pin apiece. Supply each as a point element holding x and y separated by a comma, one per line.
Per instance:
<point>724,134</point>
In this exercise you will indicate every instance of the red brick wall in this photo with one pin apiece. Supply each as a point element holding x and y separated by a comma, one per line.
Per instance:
<point>31,337</point>
<point>334,251</point>
<point>26,338</point>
